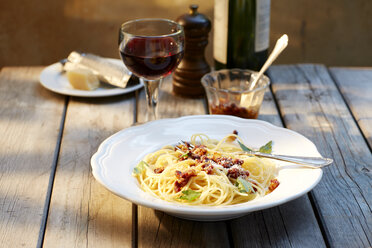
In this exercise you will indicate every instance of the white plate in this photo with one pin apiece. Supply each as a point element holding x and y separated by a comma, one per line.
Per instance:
<point>53,79</point>
<point>116,157</point>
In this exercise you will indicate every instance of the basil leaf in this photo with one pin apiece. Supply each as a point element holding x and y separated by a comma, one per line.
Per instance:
<point>267,148</point>
<point>184,155</point>
<point>244,186</point>
<point>244,148</point>
<point>140,167</point>
<point>189,195</point>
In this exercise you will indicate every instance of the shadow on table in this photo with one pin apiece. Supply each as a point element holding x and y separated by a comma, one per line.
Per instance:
<point>290,224</point>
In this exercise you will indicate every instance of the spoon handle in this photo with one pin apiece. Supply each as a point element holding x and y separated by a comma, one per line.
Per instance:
<point>312,162</point>
<point>280,45</point>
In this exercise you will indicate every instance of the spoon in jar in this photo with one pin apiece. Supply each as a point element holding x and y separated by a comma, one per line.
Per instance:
<point>280,45</point>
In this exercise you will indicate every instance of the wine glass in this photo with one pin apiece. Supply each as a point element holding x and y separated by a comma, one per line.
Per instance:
<point>151,48</point>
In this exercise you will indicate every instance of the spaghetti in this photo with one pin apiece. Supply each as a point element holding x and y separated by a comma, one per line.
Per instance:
<point>206,172</point>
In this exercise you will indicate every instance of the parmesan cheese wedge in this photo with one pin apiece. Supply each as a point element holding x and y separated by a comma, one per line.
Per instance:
<point>82,79</point>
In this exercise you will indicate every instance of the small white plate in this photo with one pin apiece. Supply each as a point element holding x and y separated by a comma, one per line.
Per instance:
<point>53,79</point>
<point>116,157</point>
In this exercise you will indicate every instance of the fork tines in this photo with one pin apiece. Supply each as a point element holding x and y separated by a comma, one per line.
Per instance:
<point>187,144</point>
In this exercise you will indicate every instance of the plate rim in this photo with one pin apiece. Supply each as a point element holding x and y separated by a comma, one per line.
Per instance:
<point>53,69</point>
<point>202,211</point>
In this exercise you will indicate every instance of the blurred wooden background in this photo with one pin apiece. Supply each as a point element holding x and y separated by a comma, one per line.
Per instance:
<point>41,32</point>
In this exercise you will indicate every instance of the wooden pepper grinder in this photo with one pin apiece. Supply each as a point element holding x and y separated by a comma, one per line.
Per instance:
<point>186,78</point>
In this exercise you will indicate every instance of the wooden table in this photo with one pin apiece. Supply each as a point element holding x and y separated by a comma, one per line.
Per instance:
<point>48,196</point>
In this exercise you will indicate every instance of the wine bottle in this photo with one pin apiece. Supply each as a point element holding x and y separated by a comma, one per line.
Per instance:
<point>241,33</point>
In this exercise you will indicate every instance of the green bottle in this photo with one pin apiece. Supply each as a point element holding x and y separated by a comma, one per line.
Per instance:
<point>241,33</point>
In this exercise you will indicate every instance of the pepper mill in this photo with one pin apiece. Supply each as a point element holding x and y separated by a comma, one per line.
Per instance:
<point>186,78</point>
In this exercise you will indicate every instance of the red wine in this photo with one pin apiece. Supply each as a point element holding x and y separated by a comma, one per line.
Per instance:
<point>151,58</point>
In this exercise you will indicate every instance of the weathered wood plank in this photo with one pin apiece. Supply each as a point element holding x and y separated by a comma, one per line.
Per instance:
<point>30,118</point>
<point>356,87</point>
<point>311,104</point>
<point>290,225</point>
<point>82,212</point>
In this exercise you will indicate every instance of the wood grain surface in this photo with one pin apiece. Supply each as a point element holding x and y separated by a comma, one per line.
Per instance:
<point>30,119</point>
<point>49,197</point>
<point>82,212</point>
<point>290,225</point>
<point>311,104</point>
<point>353,84</point>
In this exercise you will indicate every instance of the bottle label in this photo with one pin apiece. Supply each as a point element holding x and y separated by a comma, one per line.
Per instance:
<point>221,12</point>
<point>262,25</point>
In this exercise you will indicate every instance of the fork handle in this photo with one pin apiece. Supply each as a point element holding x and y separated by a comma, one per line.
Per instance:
<point>313,162</point>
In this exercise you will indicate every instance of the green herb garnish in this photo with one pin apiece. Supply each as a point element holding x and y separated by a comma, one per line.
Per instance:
<point>244,186</point>
<point>189,195</point>
<point>267,148</point>
<point>140,167</point>
<point>244,148</point>
<point>184,155</point>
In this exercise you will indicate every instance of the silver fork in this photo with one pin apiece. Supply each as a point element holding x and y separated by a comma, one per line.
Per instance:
<point>311,162</point>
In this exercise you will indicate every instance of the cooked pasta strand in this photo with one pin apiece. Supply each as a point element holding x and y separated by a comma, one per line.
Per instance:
<point>213,170</point>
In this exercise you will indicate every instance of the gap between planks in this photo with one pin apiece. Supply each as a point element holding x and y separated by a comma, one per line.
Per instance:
<point>134,206</point>
<point>312,196</point>
<point>309,194</point>
<point>48,197</point>
<point>331,74</point>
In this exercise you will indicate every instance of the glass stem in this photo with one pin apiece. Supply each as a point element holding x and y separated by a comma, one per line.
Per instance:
<point>152,92</point>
